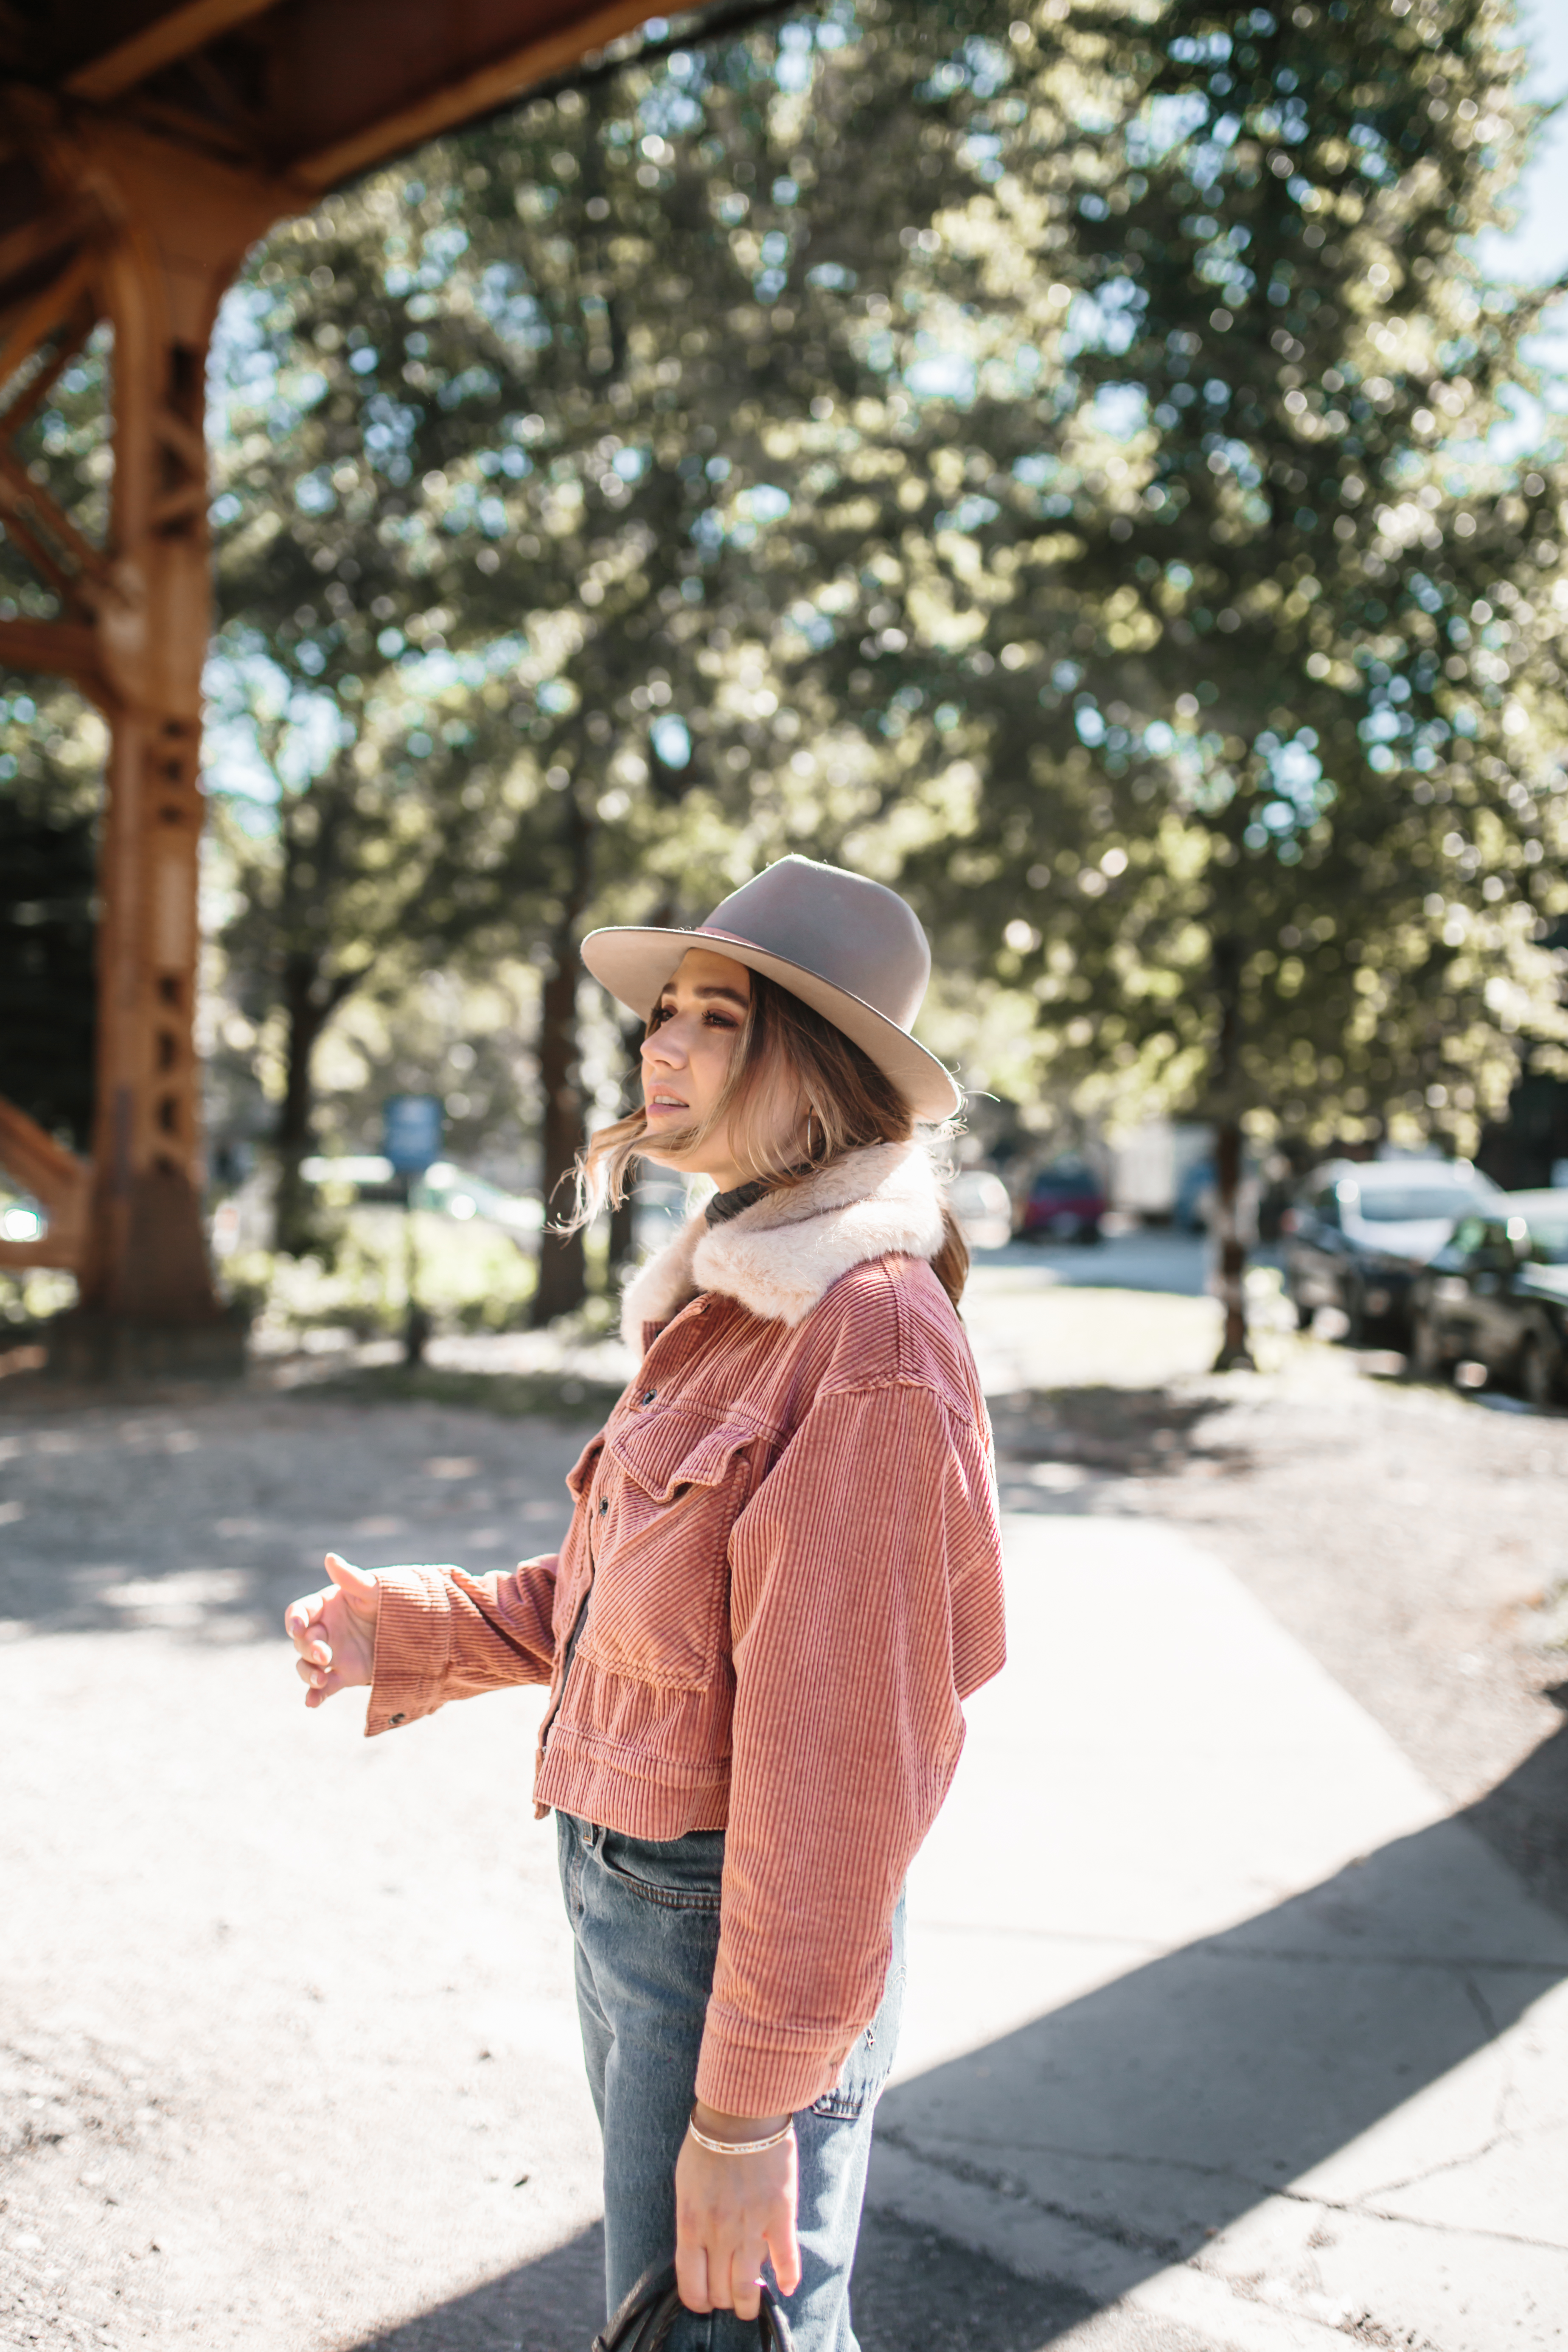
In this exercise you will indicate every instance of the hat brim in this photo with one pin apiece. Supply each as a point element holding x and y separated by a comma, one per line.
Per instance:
<point>634,963</point>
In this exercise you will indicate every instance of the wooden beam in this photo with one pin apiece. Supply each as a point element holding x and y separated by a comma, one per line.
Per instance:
<point>76,332</point>
<point>55,649</point>
<point>173,33</point>
<point>54,1176</point>
<point>18,490</point>
<point>476,93</point>
<point>190,131</point>
<point>45,312</point>
<point>38,240</point>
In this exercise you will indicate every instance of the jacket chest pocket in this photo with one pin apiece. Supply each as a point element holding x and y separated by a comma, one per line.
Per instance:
<point>669,1490</point>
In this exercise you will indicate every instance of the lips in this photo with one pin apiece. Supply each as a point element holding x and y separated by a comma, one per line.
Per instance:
<point>665,1102</point>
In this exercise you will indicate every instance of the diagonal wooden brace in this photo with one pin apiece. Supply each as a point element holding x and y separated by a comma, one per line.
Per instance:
<point>55,1178</point>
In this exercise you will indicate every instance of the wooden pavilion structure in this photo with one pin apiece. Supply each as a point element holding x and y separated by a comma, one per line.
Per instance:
<point>144,145</point>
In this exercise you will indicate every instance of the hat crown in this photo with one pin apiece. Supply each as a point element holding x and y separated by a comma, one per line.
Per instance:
<point>853,933</point>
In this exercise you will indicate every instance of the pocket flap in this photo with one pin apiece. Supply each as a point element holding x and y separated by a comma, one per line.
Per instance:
<point>580,1477</point>
<point>671,1449</point>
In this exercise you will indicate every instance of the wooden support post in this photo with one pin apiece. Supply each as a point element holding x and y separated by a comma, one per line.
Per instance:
<point>174,228</point>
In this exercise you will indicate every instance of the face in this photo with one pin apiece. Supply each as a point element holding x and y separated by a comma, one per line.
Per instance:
<point>685,1058</point>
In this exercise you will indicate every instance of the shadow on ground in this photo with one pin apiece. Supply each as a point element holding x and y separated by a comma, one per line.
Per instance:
<point>1141,2120</point>
<point>914,2291</point>
<point>1138,1433</point>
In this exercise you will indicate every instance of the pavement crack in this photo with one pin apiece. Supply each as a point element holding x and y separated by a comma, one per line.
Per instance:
<point>1357,2208</point>
<point>1000,2184</point>
<point>1114,2155</point>
<point>1481,2006</point>
<point>1256,2192</point>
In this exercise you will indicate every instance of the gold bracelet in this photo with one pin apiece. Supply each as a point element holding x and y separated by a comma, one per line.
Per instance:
<point>737,2146</point>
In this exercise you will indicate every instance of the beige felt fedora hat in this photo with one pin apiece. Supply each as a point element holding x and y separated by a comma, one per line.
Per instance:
<point>849,948</point>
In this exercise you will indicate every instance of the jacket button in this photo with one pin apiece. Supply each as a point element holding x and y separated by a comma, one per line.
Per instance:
<point>604,1505</point>
<point>398,1718</point>
<point>647,1396</point>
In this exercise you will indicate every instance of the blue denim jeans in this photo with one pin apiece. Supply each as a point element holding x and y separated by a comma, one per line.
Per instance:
<point>645,1917</point>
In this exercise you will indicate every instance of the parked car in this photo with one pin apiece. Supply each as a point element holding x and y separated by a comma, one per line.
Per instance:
<point>980,1202</point>
<point>1498,1295</point>
<point>1361,1231</point>
<point>1064,1202</point>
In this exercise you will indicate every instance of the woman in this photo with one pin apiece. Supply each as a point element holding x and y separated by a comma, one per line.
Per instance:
<point>782,1577</point>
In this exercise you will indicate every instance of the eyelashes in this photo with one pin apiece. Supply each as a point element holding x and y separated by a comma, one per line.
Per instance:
<point>711,1018</point>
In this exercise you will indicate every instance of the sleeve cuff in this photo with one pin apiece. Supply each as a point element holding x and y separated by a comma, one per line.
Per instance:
<point>413,1645</point>
<point>743,2072</point>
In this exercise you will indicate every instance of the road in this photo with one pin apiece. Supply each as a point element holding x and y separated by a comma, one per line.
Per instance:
<point>1236,2015</point>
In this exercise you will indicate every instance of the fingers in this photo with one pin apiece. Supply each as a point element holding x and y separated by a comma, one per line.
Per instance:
<point>783,2246</point>
<point>352,1581</point>
<point>321,1680</point>
<point>304,1622</point>
<point>690,2268</point>
<point>745,2294</point>
<point>301,1615</point>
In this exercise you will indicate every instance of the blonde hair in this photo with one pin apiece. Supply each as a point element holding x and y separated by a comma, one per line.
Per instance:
<point>788,1059</point>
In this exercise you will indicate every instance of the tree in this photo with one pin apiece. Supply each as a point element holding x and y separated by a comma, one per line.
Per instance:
<point>1244,585</point>
<point>497,395</point>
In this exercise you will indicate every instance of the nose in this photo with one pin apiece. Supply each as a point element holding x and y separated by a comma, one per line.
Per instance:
<point>661,1048</point>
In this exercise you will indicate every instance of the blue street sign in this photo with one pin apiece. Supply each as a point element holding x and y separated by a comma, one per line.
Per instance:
<point>411,1131</point>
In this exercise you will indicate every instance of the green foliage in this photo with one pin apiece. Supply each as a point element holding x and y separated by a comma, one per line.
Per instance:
<point>500,611</point>
<point>470,1278</point>
<point>1250,637</point>
<point>1093,517</point>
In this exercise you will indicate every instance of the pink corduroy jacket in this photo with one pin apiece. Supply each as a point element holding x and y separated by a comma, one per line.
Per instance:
<point>786,1537</point>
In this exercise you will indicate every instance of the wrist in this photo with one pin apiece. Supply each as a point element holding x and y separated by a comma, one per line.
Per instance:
<point>718,2124</point>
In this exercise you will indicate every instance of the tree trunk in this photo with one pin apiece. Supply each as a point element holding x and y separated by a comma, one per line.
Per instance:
<point>623,1235</point>
<point>1234,1354</point>
<point>563,1276</point>
<point>293,1233</point>
<point>563,1285</point>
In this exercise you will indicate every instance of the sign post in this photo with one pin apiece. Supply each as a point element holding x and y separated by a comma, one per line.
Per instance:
<point>411,1140</point>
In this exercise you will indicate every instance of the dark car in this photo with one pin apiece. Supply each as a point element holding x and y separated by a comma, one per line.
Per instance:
<point>1065,1203</point>
<point>1498,1295</point>
<point>1361,1231</point>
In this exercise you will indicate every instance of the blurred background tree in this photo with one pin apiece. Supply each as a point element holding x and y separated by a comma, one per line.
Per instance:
<point>1260,692</point>
<point>487,396</point>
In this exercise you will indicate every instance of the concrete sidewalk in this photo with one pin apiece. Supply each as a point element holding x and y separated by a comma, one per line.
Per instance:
<point>1219,2031</point>
<point>1213,2015</point>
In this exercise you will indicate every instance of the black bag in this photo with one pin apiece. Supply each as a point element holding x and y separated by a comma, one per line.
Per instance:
<point>646,2318</point>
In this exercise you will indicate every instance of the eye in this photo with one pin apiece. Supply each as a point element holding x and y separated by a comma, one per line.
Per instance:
<point>722,1019</point>
<point>658,1016</point>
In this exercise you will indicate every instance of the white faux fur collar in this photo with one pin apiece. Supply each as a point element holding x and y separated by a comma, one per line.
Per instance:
<point>778,1256</point>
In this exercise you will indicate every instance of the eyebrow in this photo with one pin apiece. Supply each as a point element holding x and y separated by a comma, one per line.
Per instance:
<point>733,994</point>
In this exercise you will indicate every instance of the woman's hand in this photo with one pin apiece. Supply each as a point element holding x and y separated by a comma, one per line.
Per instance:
<point>731,2210</point>
<point>334,1631</point>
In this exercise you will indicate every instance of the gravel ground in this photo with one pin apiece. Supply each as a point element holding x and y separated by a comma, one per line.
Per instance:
<point>288,2060</point>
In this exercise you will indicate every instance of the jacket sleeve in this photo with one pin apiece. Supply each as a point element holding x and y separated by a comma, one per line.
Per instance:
<point>869,1558</point>
<point>441,1634</point>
